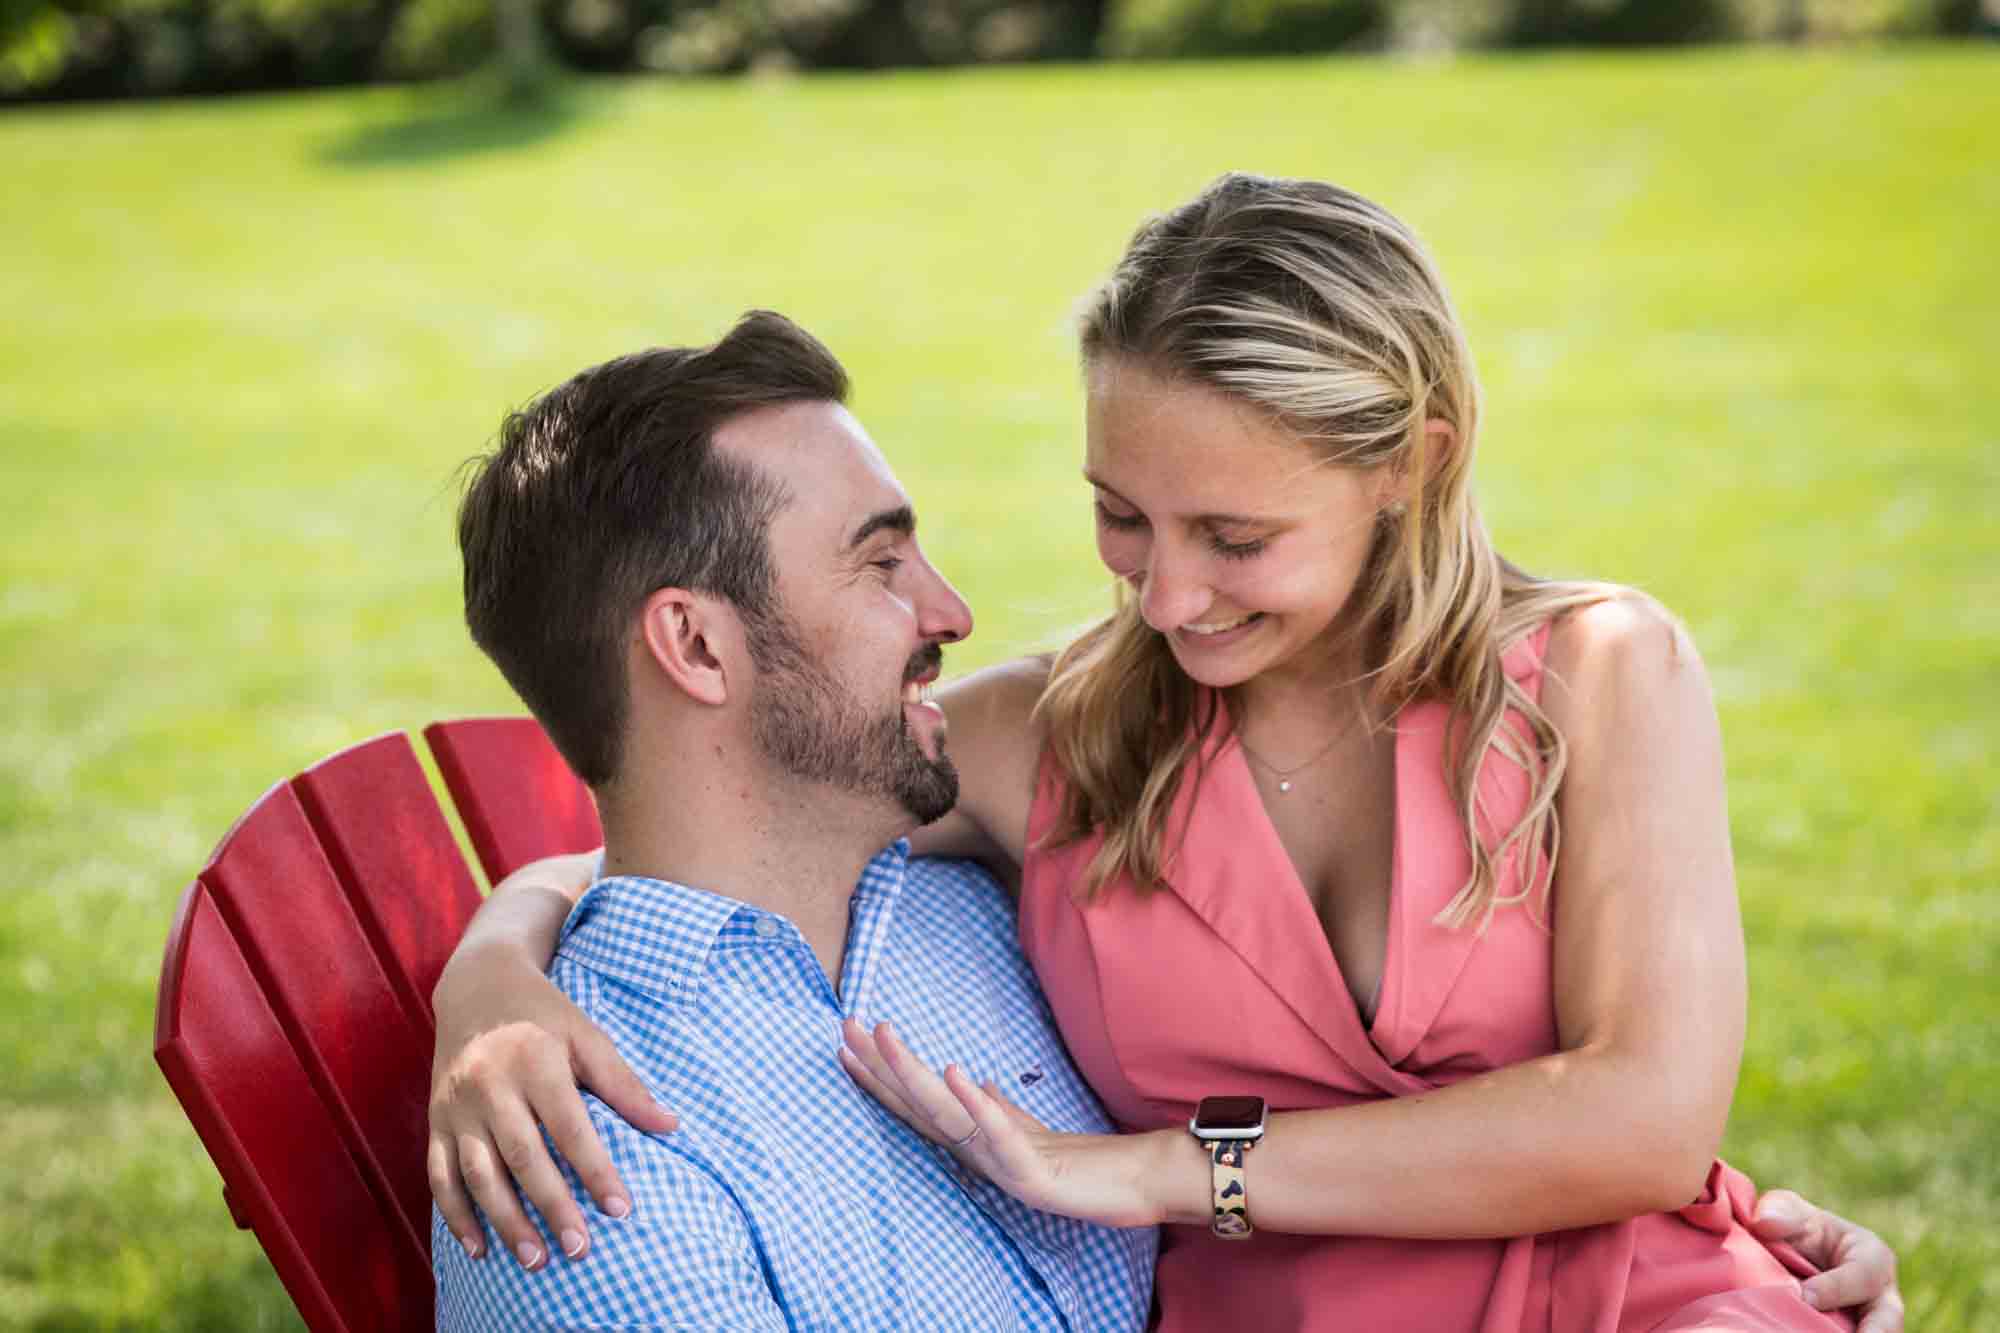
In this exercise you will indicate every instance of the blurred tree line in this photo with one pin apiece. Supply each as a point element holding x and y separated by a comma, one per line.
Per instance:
<point>117,48</point>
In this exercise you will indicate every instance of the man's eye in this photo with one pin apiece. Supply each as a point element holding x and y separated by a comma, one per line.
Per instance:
<point>888,564</point>
<point>1112,520</point>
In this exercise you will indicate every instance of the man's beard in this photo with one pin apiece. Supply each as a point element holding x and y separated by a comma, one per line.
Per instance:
<point>807,723</point>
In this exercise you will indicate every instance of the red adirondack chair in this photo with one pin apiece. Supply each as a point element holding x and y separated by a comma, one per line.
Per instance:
<point>294,1019</point>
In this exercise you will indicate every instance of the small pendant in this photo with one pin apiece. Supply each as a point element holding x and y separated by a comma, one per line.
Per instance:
<point>1284,784</point>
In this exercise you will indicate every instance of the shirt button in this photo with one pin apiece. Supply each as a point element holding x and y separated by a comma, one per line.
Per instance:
<point>766,926</point>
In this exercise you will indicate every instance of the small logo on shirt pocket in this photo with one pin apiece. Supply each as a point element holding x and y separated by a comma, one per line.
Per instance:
<point>1030,1077</point>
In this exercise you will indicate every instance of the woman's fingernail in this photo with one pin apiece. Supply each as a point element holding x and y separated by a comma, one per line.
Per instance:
<point>1810,1296</point>
<point>529,1253</point>
<point>617,1206</point>
<point>573,1242</point>
<point>472,1247</point>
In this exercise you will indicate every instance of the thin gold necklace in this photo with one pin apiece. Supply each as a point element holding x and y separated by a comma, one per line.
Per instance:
<point>1285,775</point>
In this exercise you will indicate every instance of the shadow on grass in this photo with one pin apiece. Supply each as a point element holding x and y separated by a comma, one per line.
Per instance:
<point>438,124</point>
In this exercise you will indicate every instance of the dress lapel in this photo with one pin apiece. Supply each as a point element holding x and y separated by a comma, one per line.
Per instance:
<point>1424,958</point>
<point>1251,898</point>
<point>1250,895</point>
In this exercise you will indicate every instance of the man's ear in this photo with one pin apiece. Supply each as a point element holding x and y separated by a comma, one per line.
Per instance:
<point>692,639</point>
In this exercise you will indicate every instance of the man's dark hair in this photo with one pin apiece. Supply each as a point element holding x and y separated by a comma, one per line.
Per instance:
<point>608,488</point>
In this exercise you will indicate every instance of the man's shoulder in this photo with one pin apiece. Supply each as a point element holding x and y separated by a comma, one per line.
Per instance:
<point>655,1030</point>
<point>646,934</point>
<point>685,1256</point>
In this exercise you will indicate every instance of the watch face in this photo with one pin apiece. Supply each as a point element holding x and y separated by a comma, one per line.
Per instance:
<point>1229,1113</point>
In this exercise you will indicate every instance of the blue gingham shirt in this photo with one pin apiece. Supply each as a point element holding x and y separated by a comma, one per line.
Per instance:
<point>789,1199</point>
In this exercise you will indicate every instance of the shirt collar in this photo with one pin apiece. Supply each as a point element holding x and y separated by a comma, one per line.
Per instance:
<point>659,935</point>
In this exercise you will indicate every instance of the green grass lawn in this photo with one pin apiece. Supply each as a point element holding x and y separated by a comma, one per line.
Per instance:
<point>1736,312</point>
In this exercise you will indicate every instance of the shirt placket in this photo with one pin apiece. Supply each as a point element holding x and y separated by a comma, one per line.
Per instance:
<point>797,975</point>
<point>870,913</point>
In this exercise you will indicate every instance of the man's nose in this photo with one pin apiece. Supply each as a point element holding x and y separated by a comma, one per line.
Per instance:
<point>942,615</point>
<point>1170,595</point>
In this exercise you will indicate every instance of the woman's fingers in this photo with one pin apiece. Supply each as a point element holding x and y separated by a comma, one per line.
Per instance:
<point>448,1188</point>
<point>555,1101</point>
<point>860,1045</point>
<point>892,1101</point>
<point>858,1052</point>
<point>1014,1112</point>
<point>885,1081</point>
<point>497,1092</point>
<point>1002,1148</point>
<point>923,1089</point>
<point>981,1127</point>
<point>979,1102</point>
<point>894,1076</point>
<point>1089,1176</point>
<point>502,1102</point>
<point>517,1135</point>
<point>480,1163</point>
<point>605,1073</point>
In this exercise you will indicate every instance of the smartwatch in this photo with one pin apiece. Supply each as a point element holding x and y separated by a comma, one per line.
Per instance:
<point>1228,1126</point>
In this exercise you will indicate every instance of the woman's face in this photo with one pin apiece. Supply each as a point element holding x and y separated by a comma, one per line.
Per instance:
<point>1243,549</point>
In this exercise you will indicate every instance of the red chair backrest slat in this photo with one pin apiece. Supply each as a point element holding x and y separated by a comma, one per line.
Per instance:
<point>295,1025</point>
<point>517,797</point>
<point>232,1065</point>
<point>381,828</point>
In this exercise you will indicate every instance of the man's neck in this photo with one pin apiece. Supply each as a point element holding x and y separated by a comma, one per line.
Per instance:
<point>797,852</point>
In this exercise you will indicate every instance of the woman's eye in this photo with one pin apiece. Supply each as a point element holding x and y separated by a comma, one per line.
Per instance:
<point>1230,550</point>
<point>1112,519</point>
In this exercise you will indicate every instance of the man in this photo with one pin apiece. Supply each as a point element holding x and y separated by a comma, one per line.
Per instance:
<point>704,580</point>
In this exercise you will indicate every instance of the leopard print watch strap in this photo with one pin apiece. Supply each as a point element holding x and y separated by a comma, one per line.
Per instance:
<point>1232,1200</point>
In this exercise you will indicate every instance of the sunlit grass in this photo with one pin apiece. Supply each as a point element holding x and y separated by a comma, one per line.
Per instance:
<point>1736,313</point>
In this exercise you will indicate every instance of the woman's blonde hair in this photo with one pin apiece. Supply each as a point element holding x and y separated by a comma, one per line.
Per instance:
<point>1322,310</point>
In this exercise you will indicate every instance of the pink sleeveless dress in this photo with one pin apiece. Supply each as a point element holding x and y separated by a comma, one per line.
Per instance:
<point>1223,982</point>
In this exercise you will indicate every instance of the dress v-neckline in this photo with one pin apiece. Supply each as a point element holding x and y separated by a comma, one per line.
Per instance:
<point>1295,901</point>
<point>1254,901</point>
<point>1299,901</point>
<point>1231,870</point>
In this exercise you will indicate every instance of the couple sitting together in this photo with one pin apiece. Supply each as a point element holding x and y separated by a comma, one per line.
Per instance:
<point>1294,1011</point>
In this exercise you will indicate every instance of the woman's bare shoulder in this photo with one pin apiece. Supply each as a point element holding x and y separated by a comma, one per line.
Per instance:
<point>1626,643</point>
<point>1004,693</point>
<point>996,744</point>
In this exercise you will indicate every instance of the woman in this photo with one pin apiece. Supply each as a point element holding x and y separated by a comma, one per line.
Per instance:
<point>1340,807</point>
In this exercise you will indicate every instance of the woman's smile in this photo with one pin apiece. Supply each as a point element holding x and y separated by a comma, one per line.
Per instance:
<point>1213,634</point>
